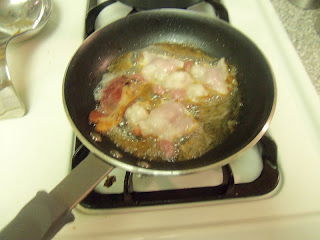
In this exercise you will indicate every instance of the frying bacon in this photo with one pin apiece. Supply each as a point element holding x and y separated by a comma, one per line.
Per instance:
<point>135,114</point>
<point>167,122</point>
<point>163,109</point>
<point>177,80</point>
<point>95,115</point>
<point>167,148</point>
<point>158,89</point>
<point>178,94</point>
<point>188,65</point>
<point>183,80</point>
<point>157,67</point>
<point>115,99</point>
<point>196,91</point>
<point>214,76</point>
<point>112,95</point>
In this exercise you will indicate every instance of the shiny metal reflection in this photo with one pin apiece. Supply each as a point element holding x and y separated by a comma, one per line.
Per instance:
<point>19,19</point>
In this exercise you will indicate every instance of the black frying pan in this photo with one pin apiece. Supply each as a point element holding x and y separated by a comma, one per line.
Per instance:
<point>147,4</point>
<point>214,37</point>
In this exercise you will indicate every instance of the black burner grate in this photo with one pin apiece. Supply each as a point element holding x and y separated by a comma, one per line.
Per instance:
<point>265,183</point>
<point>95,9</point>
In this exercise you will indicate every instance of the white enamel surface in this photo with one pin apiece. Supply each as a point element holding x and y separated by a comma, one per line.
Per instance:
<point>35,149</point>
<point>290,212</point>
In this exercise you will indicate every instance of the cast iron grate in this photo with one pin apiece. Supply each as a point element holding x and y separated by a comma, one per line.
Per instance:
<point>94,10</point>
<point>265,183</point>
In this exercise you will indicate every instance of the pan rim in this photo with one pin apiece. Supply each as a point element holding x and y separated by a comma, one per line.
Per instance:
<point>152,171</point>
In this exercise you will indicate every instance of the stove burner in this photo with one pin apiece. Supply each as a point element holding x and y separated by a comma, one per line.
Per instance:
<point>265,183</point>
<point>94,10</point>
<point>228,189</point>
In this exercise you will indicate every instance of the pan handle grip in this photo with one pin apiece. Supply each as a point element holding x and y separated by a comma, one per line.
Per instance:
<point>47,213</point>
<point>40,219</point>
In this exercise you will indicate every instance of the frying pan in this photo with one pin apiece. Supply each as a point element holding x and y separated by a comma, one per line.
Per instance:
<point>137,31</point>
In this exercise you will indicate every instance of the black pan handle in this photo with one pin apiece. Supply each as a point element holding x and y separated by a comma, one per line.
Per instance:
<point>40,219</point>
<point>47,213</point>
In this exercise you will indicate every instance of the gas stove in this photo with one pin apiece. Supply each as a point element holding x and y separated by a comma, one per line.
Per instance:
<point>38,154</point>
<point>259,189</point>
<point>254,174</point>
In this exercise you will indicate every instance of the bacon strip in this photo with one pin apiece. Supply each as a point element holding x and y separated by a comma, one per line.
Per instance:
<point>167,148</point>
<point>119,94</point>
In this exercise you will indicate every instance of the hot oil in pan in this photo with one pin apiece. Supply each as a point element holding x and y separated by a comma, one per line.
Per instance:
<point>167,102</point>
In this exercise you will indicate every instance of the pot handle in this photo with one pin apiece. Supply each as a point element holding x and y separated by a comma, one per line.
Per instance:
<point>47,213</point>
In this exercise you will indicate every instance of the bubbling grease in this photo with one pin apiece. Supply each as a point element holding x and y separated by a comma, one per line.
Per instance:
<point>216,114</point>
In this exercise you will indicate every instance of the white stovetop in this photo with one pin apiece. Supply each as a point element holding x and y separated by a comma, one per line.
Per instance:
<point>35,149</point>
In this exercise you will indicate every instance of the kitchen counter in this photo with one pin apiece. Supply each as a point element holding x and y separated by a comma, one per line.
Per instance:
<point>300,26</point>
